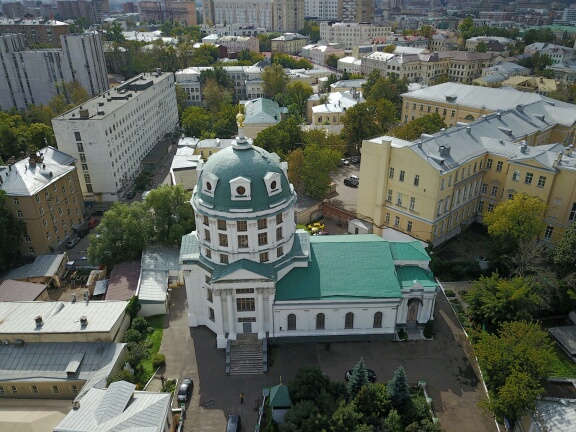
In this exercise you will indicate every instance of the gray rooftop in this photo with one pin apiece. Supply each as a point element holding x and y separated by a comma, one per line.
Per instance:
<point>153,286</point>
<point>566,336</point>
<point>26,179</point>
<point>160,257</point>
<point>557,415</point>
<point>263,111</point>
<point>50,361</point>
<point>59,317</point>
<point>157,261</point>
<point>118,408</point>
<point>43,266</point>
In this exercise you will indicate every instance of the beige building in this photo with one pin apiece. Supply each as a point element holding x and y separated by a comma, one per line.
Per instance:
<point>289,43</point>
<point>233,43</point>
<point>36,32</point>
<point>318,53</point>
<point>351,34</point>
<point>540,85</point>
<point>44,192</point>
<point>331,112</point>
<point>435,186</point>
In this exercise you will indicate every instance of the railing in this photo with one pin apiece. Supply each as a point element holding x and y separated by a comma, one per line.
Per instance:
<point>228,348</point>
<point>264,355</point>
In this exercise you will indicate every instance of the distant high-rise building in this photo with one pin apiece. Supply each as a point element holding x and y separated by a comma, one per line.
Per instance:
<point>356,10</point>
<point>13,10</point>
<point>129,7</point>
<point>36,31</point>
<point>160,11</point>
<point>321,9</point>
<point>91,10</point>
<point>32,77</point>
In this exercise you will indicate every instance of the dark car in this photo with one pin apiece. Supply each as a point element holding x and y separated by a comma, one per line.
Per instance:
<point>233,423</point>
<point>371,375</point>
<point>83,232</point>
<point>131,194</point>
<point>185,389</point>
<point>72,242</point>
<point>355,160</point>
<point>351,182</point>
<point>93,223</point>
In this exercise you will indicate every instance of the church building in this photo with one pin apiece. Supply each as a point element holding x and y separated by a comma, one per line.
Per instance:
<point>248,270</point>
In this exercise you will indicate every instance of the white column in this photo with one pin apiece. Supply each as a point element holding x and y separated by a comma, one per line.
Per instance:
<point>260,313</point>
<point>231,316</point>
<point>218,318</point>
<point>271,292</point>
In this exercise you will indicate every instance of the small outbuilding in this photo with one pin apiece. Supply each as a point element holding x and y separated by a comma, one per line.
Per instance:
<point>357,226</point>
<point>14,291</point>
<point>280,402</point>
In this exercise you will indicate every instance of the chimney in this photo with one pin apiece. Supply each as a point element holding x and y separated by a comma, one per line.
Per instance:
<point>520,108</point>
<point>39,322</point>
<point>86,296</point>
<point>559,157</point>
<point>468,129</point>
<point>83,321</point>
<point>73,297</point>
<point>444,151</point>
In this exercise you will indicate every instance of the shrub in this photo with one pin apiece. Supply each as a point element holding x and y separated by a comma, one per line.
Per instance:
<point>137,353</point>
<point>403,334</point>
<point>429,329</point>
<point>140,324</point>
<point>158,360</point>
<point>169,386</point>
<point>123,375</point>
<point>450,293</point>
<point>133,335</point>
<point>133,307</point>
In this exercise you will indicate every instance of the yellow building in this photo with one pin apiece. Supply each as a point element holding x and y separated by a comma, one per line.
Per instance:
<point>289,43</point>
<point>44,192</point>
<point>540,85</point>
<point>433,187</point>
<point>465,103</point>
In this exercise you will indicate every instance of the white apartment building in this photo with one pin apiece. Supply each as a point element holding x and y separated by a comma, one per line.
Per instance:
<point>233,43</point>
<point>33,77</point>
<point>321,9</point>
<point>352,34</point>
<point>111,133</point>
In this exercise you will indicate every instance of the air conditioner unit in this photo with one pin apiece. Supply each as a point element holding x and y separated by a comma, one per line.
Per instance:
<point>5,342</point>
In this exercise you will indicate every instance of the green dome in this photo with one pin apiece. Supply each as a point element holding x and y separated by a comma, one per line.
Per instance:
<point>243,177</point>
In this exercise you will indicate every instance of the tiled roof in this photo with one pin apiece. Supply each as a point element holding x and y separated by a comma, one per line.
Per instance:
<point>280,397</point>
<point>123,282</point>
<point>12,290</point>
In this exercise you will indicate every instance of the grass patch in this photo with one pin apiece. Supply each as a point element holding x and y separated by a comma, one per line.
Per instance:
<point>563,367</point>
<point>153,340</point>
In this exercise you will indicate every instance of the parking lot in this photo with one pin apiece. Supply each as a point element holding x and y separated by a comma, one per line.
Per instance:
<point>345,196</point>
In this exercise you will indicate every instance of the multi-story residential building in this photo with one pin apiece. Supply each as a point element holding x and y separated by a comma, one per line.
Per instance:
<point>91,10</point>
<point>233,43</point>
<point>359,11</point>
<point>317,53</point>
<point>231,30</point>
<point>433,187</point>
<point>13,10</point>
<point>32,77</point>
<point>281,15</point>
<point>111,133</point>
<point>350,34</point>
<point>289,43</point>
<point>558,53</point>
<point>442,42</point>
<point>183,11</point>
<point>540,85</point>
<point>458,66</point>
<point>36,32</point>
<point>464,103</point>
<point>44,192</point>
<point>322,10</point>
<point>332,111</point>
<point>472,43</point>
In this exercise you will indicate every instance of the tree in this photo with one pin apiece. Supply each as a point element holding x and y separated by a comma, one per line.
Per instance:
<point>426,31</point>
<point>295,160</point>
<point>297,93</point>
<point>12,231</point>
<point>563,254</point>
<point>318,164</point>
<point>481,47</point>
<point>281,138</point>
<point>393,422</point>
<point>312,30</point>
<point>515,361</point>
<point>428,124</point>
<point>398,389</point>
<point>195,120</point>
<point>493,300</point>
<point>172,214</point>
<point>465,27</point>
<point>358,378</point>
<point>324,140</point>
<point>123,375</point>
<point>389,49</point>
<point>377,87</point>
<point>518,218</point>
<point>114,33</point>
<point>366,120</point>
<point>215,95</point>
<point>345,418</point>
<point>274,81</point>
<point>122,234</point>
<point>219,75</point>
<point>332,61</point>
<point>133,307</point>
<point>308,384</point>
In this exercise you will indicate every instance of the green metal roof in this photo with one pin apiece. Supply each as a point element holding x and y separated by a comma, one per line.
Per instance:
<point>264,270</point>
<point>280,397</point>
<point>407,275</point>
<point>343,267</point>
<point>263,111</point>
<point>408,251</point>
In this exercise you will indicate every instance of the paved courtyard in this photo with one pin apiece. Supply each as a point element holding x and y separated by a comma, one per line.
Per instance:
<point>445,364</point>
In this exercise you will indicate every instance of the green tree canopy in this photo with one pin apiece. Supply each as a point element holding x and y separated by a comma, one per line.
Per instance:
<point>399,389</point>
<point>287,61</point>
<point>318,163</point>
<point>332,61</point>
<point>195,120</point>
<point>12,231</point>
<point>312,30</point>
<point>274,81</point>
<point>377,87</point>
<point>281,138</point>
<point>358,378</point>
<point>297,94</point>
<point>428,124</point>
<point>564,254</point>
<point>171,213</point>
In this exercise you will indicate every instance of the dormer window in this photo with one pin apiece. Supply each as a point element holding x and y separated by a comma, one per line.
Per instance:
<point>209,182</point>
<point>273,183</point>
<point>240,189</point>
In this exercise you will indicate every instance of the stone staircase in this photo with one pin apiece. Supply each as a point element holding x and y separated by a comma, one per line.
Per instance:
<point>246,355</point>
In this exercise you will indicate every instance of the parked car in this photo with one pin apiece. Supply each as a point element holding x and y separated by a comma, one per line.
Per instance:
<point>93,223</point>
<point>131,194</point>
<point>371,375</point>
<point>351,182</point>
<point>355,177</point>
<point>185,389</point>
<point>345,162</point>
<point>355,159</point>
<point>83,232</point>
<point>317,226</point>
<point>72,242</point>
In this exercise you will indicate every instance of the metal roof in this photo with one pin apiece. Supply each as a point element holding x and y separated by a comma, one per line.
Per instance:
<point>118,408</point>
<point>43,266</point>
<point>100,287</point>
<point>12,290</point>
<point>123,281</point>
<point>263,111</point>
<point>59,317</point>
<point>160,257</point>
<point>566,336</point>
<point>153,285</point>
<point>557,415</point>
<point>408,251</point>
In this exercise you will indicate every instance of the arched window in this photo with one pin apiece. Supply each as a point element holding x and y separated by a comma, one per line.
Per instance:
<point>349,321</point>
<point>377,320</point>
<point>291,322</point>
<point>469,117</point>
<point>320,321</point>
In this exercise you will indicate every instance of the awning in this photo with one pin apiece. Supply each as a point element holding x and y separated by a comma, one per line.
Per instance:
<point>101,287</point>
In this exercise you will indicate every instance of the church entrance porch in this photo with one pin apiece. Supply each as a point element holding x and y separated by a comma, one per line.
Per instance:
<point>246,327</point>
<point>412,314</point>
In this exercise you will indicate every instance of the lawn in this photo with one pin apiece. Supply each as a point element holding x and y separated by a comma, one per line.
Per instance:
<point>154,340</point>
<point>563,367</point>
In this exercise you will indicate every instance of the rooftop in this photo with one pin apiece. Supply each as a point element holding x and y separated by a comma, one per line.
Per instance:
<point>31,22</point>
<point>43,266</point>
<point>263,111</point>
<point>32,174</point>
<point>13,290</point>
<point>123,282</point>
<point>59,317</point>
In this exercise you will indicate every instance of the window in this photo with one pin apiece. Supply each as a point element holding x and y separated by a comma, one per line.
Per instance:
<point>221,225</point>
<point>494,190</point>
<point>402,173</point>
<point>409,226</point>
<point>262,239</point>
<point>223,259</point>
<point>528,179</point>
<point>2,391</point>
<point>541,181</point>
<point>490,207</point>
<point>20,214</point>
<point>245,304</point>
<point>208,253</point>
<point>77,136</point>
<point>391,172</point>
<point>34,389</point>
<point>320,321</point>
<point>207,235</point>
<point>262,223</point>
<point>280,252</point>
<point>279,219</point>
<point>572,212</point>
<point>399,199</point>
<point>416,180</point>
<point>516,175</point>
<point>439,208</point>
<point>206,222</point>
<point>55,389</point>
<point>80,147</point>
<point>15,201</point>
<point>242,241</point>
<point>412,203</point>
<point>13,390</point>
<point>349,321</point>
<point>387,220</point>
<point>475,166</point>
<point>442,184</point>
<point>279,234</point>
<point>499,166</point>
<point>489,164</point>
<point>449,181</point>
<point>480,206</point>
<point>548,232</point>
<point>223,240</point>
<point>211,314</point>
<point>264,257</point>
<point>389,196</point>
<point>484,187</point>
<point>397,221</point>
<point>48,236</point>
<point>377,320</point>
<point>74,389</point>
<point>210,296</point>
<point>31,250</point>
<point>291,322</point>
<point>242,226</point>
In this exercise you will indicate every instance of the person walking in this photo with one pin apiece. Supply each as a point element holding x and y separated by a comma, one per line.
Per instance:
<point>241,398</point>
